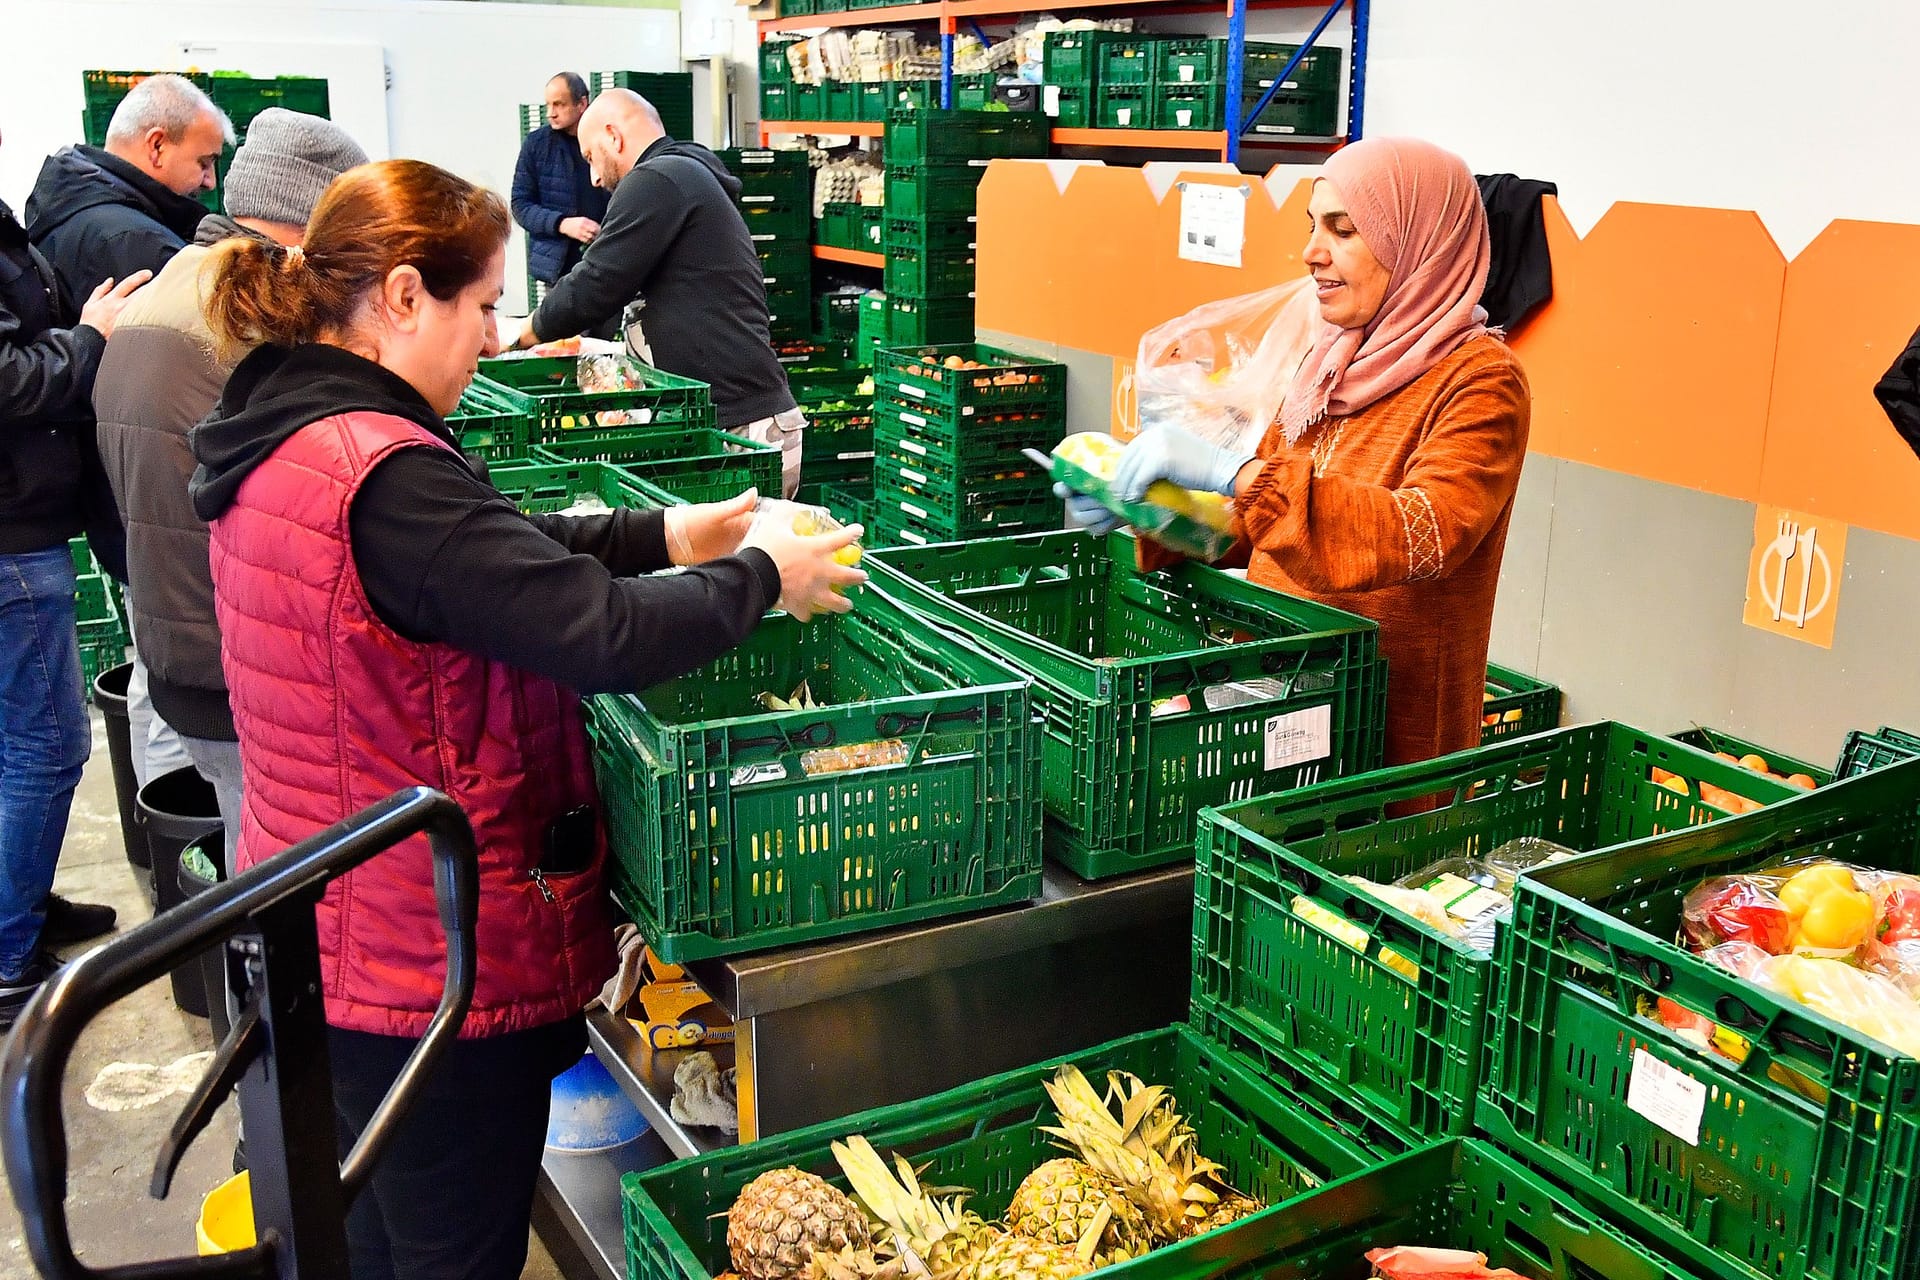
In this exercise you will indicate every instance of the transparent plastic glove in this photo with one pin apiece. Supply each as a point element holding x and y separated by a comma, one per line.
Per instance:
<point>1087,514</point>
<point>1168,453</point>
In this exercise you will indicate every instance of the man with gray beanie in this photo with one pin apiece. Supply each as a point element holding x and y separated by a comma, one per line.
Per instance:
<point>161,374</point>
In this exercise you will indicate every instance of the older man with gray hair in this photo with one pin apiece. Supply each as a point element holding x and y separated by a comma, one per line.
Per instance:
<point>107,211</point>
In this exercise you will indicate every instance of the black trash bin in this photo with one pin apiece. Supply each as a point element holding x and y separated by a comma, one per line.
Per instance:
<point>198,870</point>
<point>176,809</point>
<point>110,695</point>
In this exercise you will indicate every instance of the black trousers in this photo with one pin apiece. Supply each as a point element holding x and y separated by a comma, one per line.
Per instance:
<point>452,1195</point>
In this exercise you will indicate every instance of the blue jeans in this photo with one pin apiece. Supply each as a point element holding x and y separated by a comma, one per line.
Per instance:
<point>44,739</point>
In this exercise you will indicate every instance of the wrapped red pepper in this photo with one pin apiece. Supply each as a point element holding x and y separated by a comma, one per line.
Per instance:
<point>1411,1263</point>
<point>1736,909</point>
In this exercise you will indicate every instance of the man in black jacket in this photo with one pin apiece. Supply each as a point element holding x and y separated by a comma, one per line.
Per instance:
<point>674,242</point>
<point>97,212</point>
<point>46,442</point>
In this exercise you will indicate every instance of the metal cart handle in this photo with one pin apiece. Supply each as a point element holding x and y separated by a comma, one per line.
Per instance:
<point>35,1139</point>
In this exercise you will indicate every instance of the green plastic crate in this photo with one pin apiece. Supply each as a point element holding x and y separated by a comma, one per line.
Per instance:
<point>928,273</point>
<point>1867,751</point>
<point>919,509</point>
<point>670,92</point>
<point>1516,704</point>
<point>877,98</point>
<point>947,189</point>
<point>1198,106</point>
<point>1072,58</point>
<point>972,93</point>
<point>928,321</point>
<point>1124,106</point>
<point>985,447</point>
<point>787,271</point>
<point>1070,106</point>
<point>777,101</point>
<point>843,100</point>
<point>908,794</point>
<point>986,1136</point>
<point>774,66</point>
<point>1112,651</point>
<point>1319,72</point>
<point>835,225</point>
<point>764,171</point>
<point>243,98</point>
<point>1306,115</point>
<point>872,333</point>
<point>797,8</point>
<point>931,137</point>
<point>697,465</point>
<point>836,316</point>
<point>1805,1162</point>
<point>492,422</point>
<point>564,412</point>
<point>772,218</point>
<point>913,95</point>
<point>544,487</point>
<point>840,436</point>
<point>815,383</point>
<point>1713,741</point>
<point>920,375</point>
<point>928,233</point>
<point>1132,59</point>
<point>1459,1194</point>
<point>850,501</point>
<point>1409,1050</point>
<point>809,101</point>
<point>1192,60</point>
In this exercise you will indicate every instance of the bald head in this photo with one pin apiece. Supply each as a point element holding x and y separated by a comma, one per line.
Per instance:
<point>617,128</point>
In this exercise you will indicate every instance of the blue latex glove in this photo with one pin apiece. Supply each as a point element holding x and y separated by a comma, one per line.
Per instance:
<point>1168,453</point>
<point>1085,513</point>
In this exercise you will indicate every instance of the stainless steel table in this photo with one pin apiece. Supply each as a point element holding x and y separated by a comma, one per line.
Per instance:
<point>837,1027</point>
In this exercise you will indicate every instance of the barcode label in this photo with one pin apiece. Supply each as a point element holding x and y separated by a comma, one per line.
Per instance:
<point>1298,737</point>
<point>1667,1096</point>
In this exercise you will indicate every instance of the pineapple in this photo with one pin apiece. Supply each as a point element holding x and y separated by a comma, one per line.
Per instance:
<point>1070,1203</point>
<point>783,1217</point>
<point>1150,1151</point>
<point>854,1264</point>
<point>1017,1257</point>
<point>1232,1207</point>
<point>933,1236</point>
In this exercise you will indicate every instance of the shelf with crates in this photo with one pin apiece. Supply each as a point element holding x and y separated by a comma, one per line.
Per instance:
<point>1201,93</point>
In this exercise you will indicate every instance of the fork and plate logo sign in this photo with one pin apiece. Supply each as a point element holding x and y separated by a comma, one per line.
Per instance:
<point>1793,575</point>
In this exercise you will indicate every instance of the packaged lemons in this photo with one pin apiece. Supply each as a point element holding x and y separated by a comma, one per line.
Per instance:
<point>809,522</point>
<point>1199,525</point>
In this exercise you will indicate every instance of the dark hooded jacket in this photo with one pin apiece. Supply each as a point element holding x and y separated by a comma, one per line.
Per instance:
<point>674,241</point>
<point>444,558</point>
<point>94,215</point>
<point>51,485</point>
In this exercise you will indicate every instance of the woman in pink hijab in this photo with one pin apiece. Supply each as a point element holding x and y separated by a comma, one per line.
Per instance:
<point>1386,485</point>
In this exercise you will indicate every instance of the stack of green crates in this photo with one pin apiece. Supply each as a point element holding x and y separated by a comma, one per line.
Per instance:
<point>1516,704</point>
<point>838,403</point>
<point>1307,104</point>
<point>241,97</point>
<point>947,441</point>
<point>1070,69</point>
<point>934,163</point>
<point>871,334</point>
<point>670,92</point>
<point>493,422</point>
<point>1120,80</point>
<point>850,225</point>
<point>776,199</point>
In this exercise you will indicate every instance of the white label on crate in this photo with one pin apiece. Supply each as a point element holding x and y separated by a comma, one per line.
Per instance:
<point>915,476</point>
<point>1186,74</point>
<point>1050,99</point>
<point>919,393</point>
<point>1126,116</point>
<point>913,446</point>
<point>1299,737</point>
<point>756,199</point>
<point>853,457</point>
<point>914,418</point>
<point>1667,1096</point>
<point>747,775</point>
<point>913,511</point>
<point>909,535</point>
<point>1185,118</point>
<point>978,164</point>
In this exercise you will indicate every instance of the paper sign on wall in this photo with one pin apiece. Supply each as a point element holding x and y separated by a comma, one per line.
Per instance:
<point>1794,573</point>
<point>1213,223</point>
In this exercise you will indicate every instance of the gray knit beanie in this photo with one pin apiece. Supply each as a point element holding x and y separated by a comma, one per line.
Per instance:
<point>288,159</point>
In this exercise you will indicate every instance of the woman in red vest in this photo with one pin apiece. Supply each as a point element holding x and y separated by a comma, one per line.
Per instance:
<point>388,620</point>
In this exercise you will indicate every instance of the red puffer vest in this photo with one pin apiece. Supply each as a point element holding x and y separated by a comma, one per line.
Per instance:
<point>336,711</point>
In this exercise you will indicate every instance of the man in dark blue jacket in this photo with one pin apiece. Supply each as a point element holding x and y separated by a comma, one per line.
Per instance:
<point>47,464</point>
<point>554,198</point>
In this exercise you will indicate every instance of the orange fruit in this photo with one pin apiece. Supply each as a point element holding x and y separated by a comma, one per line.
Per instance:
<point>1756,763</point>
<point>1801,781</point>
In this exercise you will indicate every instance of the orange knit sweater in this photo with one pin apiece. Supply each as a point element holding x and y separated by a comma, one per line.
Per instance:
<point>1399,513</point>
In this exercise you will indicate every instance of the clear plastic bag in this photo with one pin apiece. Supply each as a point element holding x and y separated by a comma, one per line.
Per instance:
<point>609,372</point>
<point>1220,371</point>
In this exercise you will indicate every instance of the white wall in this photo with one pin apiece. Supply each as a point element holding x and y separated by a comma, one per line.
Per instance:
<point>457,70</point>
<point>1800,112</point>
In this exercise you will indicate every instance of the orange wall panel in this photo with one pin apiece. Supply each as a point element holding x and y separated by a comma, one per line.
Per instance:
<point>1852,301</point>
<point>1655,357</point>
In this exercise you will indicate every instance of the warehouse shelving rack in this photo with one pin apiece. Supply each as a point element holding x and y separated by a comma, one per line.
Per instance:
<point>1227,143</point>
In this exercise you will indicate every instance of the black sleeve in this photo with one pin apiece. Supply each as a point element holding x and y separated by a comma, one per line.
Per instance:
<point>444,558</point>
<point>626,542</point>
<point>643,218</point>
<point>49,376</point>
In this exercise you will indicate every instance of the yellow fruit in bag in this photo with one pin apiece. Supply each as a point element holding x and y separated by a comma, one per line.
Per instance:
<point>1197,524</point>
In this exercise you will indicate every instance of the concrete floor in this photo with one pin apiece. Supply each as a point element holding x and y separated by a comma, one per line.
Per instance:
<point>111,1153</point>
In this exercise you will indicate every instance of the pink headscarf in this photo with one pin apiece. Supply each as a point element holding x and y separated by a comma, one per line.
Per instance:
<point>1418,208</point>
